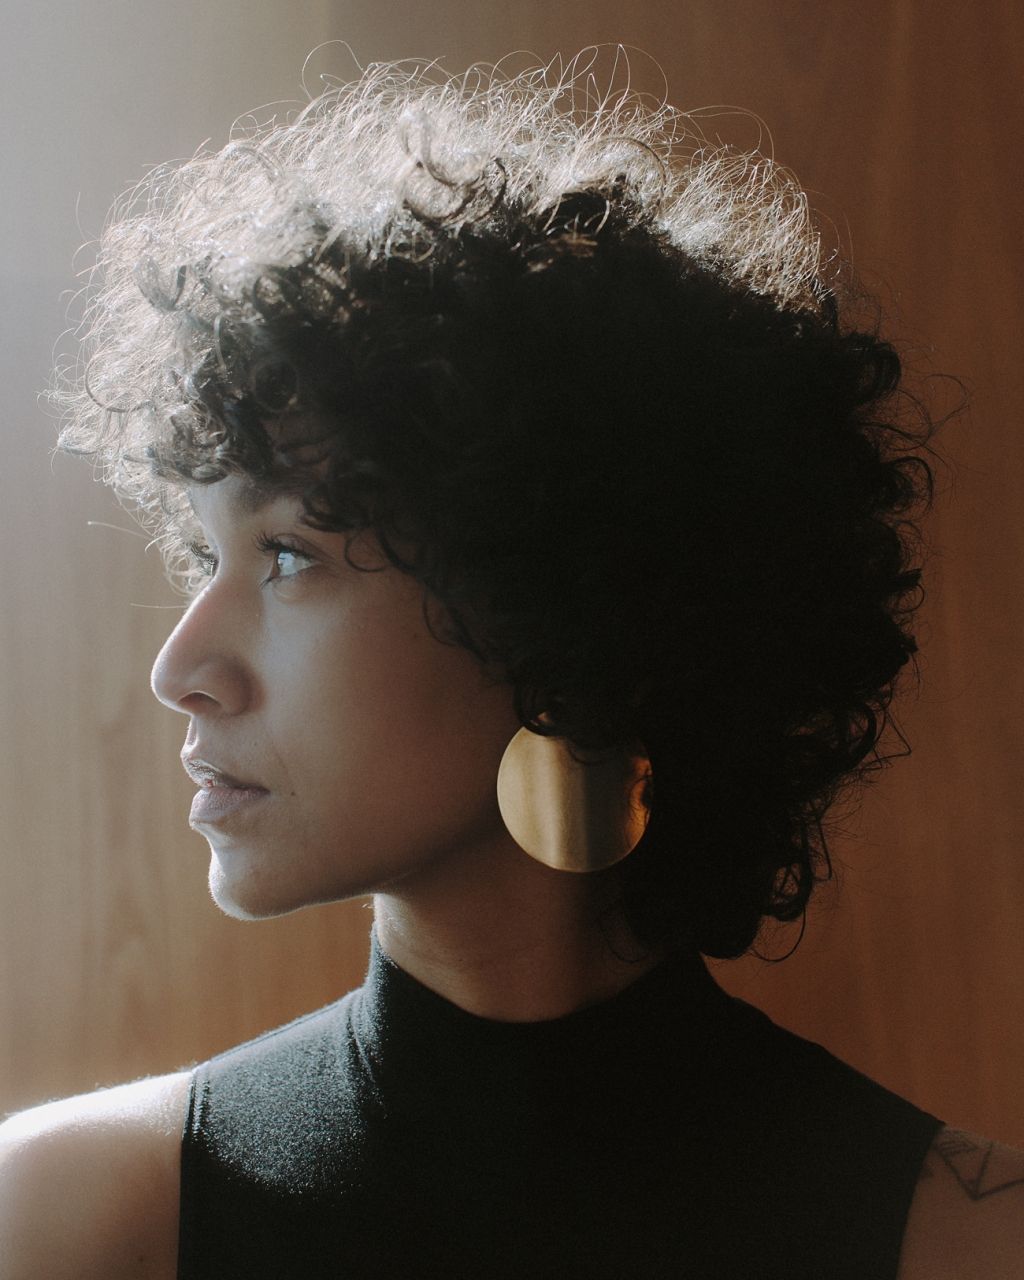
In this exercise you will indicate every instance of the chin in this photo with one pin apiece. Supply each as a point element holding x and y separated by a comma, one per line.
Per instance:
<point>245,895</point>
<point>244,891</point>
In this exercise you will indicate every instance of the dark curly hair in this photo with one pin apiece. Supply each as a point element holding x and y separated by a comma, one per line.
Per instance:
<point>589,381</point>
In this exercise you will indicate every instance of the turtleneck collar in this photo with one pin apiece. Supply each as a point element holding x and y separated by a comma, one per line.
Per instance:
<point>417,1042</point>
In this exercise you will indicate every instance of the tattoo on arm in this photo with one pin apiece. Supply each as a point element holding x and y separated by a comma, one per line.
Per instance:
<point>982,1168</point>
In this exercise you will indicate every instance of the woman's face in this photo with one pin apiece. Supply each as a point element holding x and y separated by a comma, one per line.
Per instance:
<point>369,748</point>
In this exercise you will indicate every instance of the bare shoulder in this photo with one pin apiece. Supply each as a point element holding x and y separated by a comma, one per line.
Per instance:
<point>89,1185</point>
<point>967,1218</point>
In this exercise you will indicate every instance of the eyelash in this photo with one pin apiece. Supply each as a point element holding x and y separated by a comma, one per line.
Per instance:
<point>204,558</point>
<point>265,544</point>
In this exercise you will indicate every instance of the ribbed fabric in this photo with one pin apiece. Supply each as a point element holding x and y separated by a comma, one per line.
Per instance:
<point>671,1131</point>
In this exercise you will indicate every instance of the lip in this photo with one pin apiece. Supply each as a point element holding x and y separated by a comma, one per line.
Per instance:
<point>220,794</point>
<point>205,774</point>
<point>213,804</point>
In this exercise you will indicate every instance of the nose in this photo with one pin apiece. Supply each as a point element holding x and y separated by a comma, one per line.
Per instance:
<point>202,669</point>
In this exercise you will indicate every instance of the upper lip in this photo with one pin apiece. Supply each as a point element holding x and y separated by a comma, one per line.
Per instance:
<point>205,774</point>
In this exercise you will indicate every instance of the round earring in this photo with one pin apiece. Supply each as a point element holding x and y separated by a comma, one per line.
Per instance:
<point>570,809</point>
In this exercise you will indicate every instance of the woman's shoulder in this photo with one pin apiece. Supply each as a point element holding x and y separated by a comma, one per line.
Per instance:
<point>89,1184</point>
<point>966,1221</point>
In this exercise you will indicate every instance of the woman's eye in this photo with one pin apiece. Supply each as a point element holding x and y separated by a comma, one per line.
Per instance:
<point>289,562</point>
<point>286,561</point>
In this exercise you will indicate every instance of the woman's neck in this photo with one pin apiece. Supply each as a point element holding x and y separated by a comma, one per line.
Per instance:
<point>517,942</point>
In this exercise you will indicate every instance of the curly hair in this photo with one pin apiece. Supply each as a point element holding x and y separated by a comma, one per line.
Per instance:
<point>589,379</point>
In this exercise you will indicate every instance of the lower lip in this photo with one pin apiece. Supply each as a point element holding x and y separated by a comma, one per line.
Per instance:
<point>212,804</point>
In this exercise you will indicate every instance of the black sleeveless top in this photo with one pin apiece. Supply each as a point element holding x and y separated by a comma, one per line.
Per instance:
<point>670,1131</point>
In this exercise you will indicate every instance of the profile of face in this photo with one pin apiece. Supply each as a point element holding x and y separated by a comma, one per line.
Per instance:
<point>359,751</point>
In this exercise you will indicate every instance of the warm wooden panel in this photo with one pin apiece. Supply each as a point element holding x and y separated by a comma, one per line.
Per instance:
<point>915,970</point>
<point>903,120</point>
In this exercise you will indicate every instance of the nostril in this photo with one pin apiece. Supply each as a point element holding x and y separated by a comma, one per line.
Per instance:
<point>197,702</point>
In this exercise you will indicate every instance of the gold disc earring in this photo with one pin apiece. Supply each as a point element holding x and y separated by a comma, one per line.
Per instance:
<point>574,814</point>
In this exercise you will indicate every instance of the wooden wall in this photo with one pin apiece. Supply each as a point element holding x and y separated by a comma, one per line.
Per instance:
<point>903,120</point>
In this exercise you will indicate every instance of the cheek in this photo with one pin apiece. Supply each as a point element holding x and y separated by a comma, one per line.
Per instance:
<point>428,728</point>
<point>400,733</point>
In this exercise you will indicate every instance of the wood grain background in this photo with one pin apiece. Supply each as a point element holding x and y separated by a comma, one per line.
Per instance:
<point>903,121</point>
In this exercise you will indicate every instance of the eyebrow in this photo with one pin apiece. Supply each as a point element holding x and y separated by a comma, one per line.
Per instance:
<point>253,496</point>
<point>249,498</point>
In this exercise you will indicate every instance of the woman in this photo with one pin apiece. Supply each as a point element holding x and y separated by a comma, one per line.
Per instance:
<point>548,529</point>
